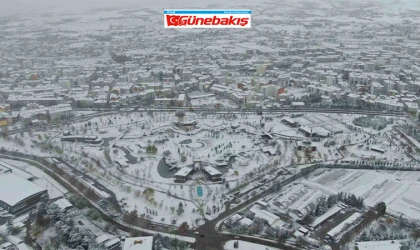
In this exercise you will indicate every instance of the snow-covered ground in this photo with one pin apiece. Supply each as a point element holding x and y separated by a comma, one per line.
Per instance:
<point>247,246</point>
<point>27,142</point>
<point>127,136</point>
<point>213,141</point>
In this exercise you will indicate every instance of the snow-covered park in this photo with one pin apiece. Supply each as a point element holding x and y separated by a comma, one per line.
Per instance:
<point>140,156</point>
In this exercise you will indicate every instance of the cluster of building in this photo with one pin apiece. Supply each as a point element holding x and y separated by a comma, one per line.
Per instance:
<point>385,77</point>
<point>185,173</point>
<point>35,114</point>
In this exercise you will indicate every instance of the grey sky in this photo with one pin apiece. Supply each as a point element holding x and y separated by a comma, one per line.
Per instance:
<point>40,6</point>
<point>37,6</point>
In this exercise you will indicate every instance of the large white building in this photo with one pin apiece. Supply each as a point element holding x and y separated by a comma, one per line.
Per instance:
<point>376,88</point>
<point>390,104</point>
<point>268,90</point>
<point>323,90</point>
<point>17,194</point>
<point>357,78</point>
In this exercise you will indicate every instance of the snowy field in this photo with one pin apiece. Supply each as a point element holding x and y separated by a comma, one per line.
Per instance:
<point>247,246</point>
<point>398,189</point>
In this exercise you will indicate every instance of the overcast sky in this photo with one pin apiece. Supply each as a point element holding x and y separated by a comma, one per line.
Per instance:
<point>40,6</point>
<point>37,6</point>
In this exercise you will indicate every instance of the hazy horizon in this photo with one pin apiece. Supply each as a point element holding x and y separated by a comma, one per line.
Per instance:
<point>11,7</point>
<point>29,7</point>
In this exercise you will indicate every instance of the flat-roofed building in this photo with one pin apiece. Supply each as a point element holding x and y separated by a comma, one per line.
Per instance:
<point>212,173</point>
<point>183,174</point>
<point>289,121</point>
<point>4,107</point>
<point>91,139</point>
<point>5,119</point>
<point>63,204</point>
<point>17,195</point>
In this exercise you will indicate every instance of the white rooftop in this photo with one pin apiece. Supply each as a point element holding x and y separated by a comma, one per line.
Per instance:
<point>14,189</point>
<point>236,217</point>
<point>335,209</point>
<point>13,169</point>
<point>102,239</point>
<point>263,214</point>
<point>112,242</point>
<point>22,246</point>
<point>245,221</point>
<point>63,203</point>
<point>14,240</point>
<point>350,220</point>
<point>138,243</point>
<point>298,104</point>
<point>211,171</point>
<point>183,171</point>
<point>6,245</point>
<point>288,119</point>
